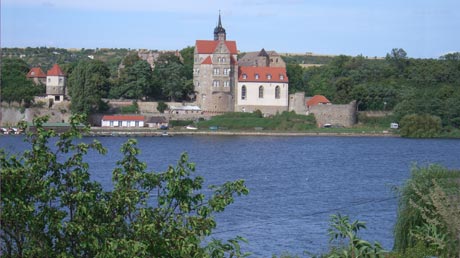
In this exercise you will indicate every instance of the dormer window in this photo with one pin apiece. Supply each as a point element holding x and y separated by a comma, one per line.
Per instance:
<point>269,76</point>
<point>281,77</point>
<point>256,76</point>
<point>245,76</point>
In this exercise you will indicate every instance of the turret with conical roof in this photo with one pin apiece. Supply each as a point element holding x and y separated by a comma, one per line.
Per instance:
<point>219,31</point>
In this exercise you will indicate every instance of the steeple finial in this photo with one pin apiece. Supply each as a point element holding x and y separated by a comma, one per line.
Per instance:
<point>219,31</point>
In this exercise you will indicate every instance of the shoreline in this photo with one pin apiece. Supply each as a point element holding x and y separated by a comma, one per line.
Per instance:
<point>143,132</point>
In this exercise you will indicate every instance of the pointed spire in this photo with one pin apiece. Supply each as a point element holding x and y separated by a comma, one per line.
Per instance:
<point>220,22</point>
<point>219,31</point>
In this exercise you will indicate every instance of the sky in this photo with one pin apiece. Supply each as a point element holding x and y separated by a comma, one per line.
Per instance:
<point>423,28</point>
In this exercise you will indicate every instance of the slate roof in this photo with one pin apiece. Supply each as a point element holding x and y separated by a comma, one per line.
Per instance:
<point>209,46</point>
<point>278,74</point>
<point>36,72</point>
<point>157,120</point>
<point>55,71</point>
<point>317,99</point>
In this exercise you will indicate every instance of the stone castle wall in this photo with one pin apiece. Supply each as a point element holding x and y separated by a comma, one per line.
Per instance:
<point>339,115</point>
<point>297,103</point>
<point>11,115</point>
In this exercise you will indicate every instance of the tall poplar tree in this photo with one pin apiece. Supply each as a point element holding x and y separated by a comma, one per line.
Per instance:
<point>88,83</point>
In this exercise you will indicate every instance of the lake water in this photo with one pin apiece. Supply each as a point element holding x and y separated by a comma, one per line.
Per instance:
<point>295,183</point>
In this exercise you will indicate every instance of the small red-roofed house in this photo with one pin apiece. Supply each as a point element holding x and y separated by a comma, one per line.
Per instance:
<point>55,84</point>
<point>317,100</point>
<point>37,75</point>
<point>122,121</point>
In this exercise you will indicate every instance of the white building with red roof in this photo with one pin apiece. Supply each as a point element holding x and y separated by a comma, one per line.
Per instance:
<point>55,84</point>
<point>122,121</point>
<point>262,88</point>
<point>223,85</point>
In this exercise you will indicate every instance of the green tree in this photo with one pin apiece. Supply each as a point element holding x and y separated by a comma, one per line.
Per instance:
<point>170,79</point>
<point>420,126</point>
<point>295,74</point>
<point>135,80</point>
<point>50,207</point>
<point>398,59</point>
<point>88,83</point>
<point>14,84</point>
<point>187,55</point>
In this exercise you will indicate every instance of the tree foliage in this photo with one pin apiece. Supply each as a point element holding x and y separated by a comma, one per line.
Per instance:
<point>172,78</point>
<point>162,106</point>
<point>429,212</point>
<point>420,126</point>
<point>135,79</point>
<point>340,229</point>
<point>397,83</point>
<point>50,206</point>
<point>88,84</point>
<point>14,84</point>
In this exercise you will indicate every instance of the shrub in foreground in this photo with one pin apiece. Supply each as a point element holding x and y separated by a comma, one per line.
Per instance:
<point>51,208</point>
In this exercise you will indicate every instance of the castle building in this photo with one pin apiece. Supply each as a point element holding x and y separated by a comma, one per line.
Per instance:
<point>215,72</point>
<point>224,84</point>
<point>55,84</point>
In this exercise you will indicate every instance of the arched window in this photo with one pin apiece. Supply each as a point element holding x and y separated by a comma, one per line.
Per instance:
<point>261,92</point>
<point>277,92</point>
<point>243,92</point>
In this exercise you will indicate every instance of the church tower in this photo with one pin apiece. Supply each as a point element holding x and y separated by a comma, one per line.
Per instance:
<point>219,31</point>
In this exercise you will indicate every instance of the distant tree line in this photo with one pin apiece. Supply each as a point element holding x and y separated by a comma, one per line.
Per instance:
<point>397,83</point>
<point>90,80</point>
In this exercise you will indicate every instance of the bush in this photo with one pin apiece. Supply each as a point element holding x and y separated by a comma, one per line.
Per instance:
<point>420,126</point>
<point>51,208</point>
<point>428,212</point>
<point>161,107</point>
<point>179,123</point>
<point>132,109</point>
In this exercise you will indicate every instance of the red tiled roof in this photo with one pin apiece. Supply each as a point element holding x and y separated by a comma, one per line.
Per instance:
<point>123,118</point>
<point>208,60</point>
<point>55,71</point>
<point>209,46</point>
<point>317,99</point>
<point>277,74</point>
<point>36,72</point>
